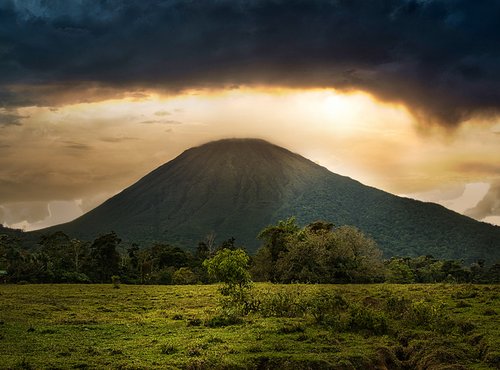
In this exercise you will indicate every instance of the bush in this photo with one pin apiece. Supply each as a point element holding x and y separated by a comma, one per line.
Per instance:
<point>184,276</point>
<point>365,319</point>
<point>397,307</point>
<point>115,279</point>
<point>75,278</point>
<point>283,303</point>
<point>325,306</point>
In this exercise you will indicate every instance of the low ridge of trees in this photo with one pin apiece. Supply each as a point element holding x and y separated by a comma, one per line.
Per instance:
<point>317,253</point>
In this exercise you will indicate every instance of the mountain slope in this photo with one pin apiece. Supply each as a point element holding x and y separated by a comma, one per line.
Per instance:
<point>235,187</point>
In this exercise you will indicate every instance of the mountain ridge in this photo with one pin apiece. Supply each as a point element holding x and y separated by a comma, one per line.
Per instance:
<point>235,187</point>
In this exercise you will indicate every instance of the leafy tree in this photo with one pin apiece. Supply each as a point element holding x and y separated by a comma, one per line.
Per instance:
<point>494,274</point>
<point>164,255</point>
<point>60,256</point>
<point>262,266</point>
<point>130,272</point>
<point>21,265</point>
<point>104,257</point>
<point>398,271</point>
<point>360,256</point>
<point>184,276</point>
<point>4,246</point>
<point>478,272</point>
<point>319,253</point>
<point>231,268</point>
<point>304,259</point>
<point>79,252</point>
<point>227,244</point>
<point>276,237</point>
<point>132,253</point>
<point>455,272</point>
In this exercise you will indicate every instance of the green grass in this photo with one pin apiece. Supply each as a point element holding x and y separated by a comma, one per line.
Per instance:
<point>143,327</point>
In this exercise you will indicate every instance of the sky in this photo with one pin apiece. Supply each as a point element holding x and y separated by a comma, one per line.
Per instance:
<point>402,95</point>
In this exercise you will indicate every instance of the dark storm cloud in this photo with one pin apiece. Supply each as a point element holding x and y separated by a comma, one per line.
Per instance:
<point>439,57</point>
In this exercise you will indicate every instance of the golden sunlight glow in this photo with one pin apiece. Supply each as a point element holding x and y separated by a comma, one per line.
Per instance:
<point>102,147</point>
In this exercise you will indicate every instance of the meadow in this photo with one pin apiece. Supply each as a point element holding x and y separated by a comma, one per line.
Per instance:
<point>377,326</point>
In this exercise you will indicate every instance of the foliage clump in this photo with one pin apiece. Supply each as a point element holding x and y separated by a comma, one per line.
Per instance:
<point>230,266</point>
<point>317,253</point>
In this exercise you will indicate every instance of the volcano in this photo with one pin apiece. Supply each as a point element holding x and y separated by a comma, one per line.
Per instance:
<point>236,187</point>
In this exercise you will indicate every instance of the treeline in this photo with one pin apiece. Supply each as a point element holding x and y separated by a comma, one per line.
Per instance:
<point>317,253</point>
<point>321,253</point>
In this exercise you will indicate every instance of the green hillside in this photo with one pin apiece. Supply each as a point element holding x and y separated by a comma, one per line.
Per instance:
<point>235,187</point>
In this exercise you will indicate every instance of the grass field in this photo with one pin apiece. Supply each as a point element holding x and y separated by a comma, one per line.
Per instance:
<point>142,327</point>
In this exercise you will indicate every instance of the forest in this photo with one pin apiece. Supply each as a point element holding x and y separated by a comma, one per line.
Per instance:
<point>316,253</point>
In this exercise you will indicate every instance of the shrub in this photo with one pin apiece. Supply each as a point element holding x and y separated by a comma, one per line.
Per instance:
<point>75,278</point>
<point>283,303</point>
<point>466,292</point>
<point>184,276</point>
<point>115,279</point>
<point>325,306</point>
<point>397,307</point>
<point>366,319</point>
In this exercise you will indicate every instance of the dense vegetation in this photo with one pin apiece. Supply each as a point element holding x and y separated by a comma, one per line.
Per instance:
<point>234,188</point>
<point>438,326</point>
<point>316,253</point>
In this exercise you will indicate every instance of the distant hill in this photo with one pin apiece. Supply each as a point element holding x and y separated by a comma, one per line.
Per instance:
<point>235,187</point>
<point>25,239</point>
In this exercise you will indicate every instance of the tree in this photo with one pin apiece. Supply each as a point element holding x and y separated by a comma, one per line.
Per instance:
<point>19,263</point>
<point>276,237</point>
<point>184,276</point>
<point>164,255</point>
<point>359,254</point>
<point>231,268</point>
<point>4,246</point>
<point>55,254</point>
<point>319,253</point>
<point>262,267</point>
<point>303,261</point>
<point>399,272</point>
<point>104,257</point>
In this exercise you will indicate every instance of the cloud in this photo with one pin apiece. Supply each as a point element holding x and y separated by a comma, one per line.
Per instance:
<point>162,121</point>
<point>23,211</point>
<point>76,146</point>
<point>162,113</point>
<point>109,139</point>
<point>489,205</point>
<point>438,57</point>
<point>10,118</point>
<point>478,168</point>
